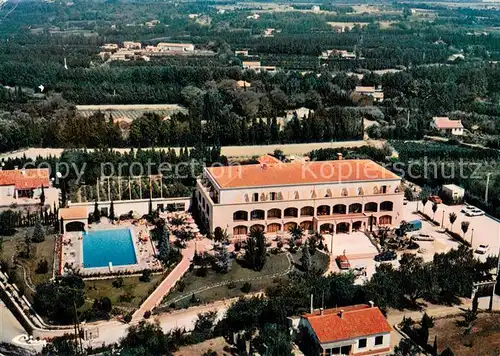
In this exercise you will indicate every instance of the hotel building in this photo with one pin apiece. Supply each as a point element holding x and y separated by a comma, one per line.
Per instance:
<point>329,196</point>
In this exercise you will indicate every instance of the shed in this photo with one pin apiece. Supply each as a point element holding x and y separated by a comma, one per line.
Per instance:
<point>73,219</point>
<point>453,192</point>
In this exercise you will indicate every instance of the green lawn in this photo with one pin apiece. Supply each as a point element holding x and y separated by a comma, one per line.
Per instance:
<point>319,260</point>
<point>133,291</point>
<point>260,280</point>
<point>193,283</point>
<point>39,251</point>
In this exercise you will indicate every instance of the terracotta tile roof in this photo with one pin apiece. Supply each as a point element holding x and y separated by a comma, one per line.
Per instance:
<point>259,175</point>
<point>268,159</point>
<point>73,213</point>
<point>25,179</point>
<point>446,123</point>
<point>356,321</point>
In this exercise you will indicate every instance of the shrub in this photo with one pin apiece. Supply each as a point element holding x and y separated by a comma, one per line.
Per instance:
<point>246,287</point>
<point>181,286</point>
<point>42,267</point>
<point>126,298</point>
<point>118,283</point>
<point>231,285</point>
<point>127,318</point>
<point>147,314</point>
<point>146,276</point>
<point>202,271</point>
<point>280,244</point>
<point>237,246</point>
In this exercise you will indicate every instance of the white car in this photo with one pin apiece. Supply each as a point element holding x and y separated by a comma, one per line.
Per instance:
<point>482,249</point>
<point>474,212</point>
<point>422,237</point>
<point>467,208</point>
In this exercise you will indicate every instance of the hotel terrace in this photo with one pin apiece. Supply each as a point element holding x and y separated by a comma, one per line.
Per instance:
<point>330,197</point>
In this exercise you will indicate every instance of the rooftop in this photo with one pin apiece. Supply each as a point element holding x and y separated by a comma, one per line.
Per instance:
<point>347,323</point>
<point>296,173</point>
<point>446,123</point>
<point>25,178</point>
<point>73,213</point>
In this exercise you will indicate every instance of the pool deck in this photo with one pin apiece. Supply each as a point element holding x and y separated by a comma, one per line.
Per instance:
<point>72,251</point>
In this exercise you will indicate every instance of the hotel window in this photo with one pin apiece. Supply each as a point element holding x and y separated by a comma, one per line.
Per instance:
<point>344,192</point>
<point>263,197</point>
<point>297,196</point>
<point>360,191</point>
<point>335,351</point>
<point>383,189</point>
<point>362,343</point>
<point>375,190</point>
<point>273,196</point>
<point>328,193</point>
<point>328,352</point>
<point>255,197</point>
<point>379,340</point>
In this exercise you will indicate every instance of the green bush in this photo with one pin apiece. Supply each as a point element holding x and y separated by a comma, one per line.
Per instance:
<point>246,287</point>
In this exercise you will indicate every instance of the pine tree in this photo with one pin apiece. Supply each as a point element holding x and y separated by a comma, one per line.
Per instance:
<point>112,211</point>
<point>38,233</point>
<point>305,259</point>
<point>27,246</point>
<point>97,213</point>
<point>150,207</point>
<point>42,197</point>
<point>164,249</point>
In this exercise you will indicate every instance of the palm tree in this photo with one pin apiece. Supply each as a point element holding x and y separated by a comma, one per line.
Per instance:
<point>434,209</point>
<point>452,217</point>
<point>424,201</point>
<point>465,227</point>
<point>296,232</point>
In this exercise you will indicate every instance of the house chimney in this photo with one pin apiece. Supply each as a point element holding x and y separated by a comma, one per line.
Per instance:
<point>372,304</point>
<point>321,311</point>
<point>312,306</point>
<point>339,156</point>
<point>341,313</point>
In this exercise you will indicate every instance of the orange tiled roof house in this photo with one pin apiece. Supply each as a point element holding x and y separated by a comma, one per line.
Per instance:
<point>23,183</point>
<point>352,330</point>
<point>330,197</point>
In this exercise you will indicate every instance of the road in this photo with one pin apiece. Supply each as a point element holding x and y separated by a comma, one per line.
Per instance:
<point>9,326</point>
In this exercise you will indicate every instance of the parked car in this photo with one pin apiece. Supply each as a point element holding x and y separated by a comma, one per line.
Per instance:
<point>435,199</point>
<point>343,262</point>
<point>482,249</point>
<point>441,230</point>
<point>422,237</point>
<point>386,256</point>
<point>474,212</point>
<point>467,208</point>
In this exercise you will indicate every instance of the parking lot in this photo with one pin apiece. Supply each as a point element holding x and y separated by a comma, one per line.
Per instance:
<point>483,230</point>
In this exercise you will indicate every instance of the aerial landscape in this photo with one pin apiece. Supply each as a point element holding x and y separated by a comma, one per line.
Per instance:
<point>232,177</point>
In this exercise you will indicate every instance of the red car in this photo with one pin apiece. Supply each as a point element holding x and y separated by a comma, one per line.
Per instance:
<point>435,199</point>
<point>343,262</point>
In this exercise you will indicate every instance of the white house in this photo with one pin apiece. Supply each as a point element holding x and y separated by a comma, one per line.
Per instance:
<point>445,125</point>
<point>351,330</point>
<point>453,192</point>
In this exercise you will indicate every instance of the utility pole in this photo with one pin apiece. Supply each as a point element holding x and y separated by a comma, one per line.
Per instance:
<point>487,186</point>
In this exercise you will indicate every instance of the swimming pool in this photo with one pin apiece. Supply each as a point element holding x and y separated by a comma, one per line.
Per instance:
<point>103,246</point>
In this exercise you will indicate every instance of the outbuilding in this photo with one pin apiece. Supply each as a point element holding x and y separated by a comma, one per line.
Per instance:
<point>453,193</point>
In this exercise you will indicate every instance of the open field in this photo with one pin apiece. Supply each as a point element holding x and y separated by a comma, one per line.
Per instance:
<point>483,339</point>
<point>228,151</point>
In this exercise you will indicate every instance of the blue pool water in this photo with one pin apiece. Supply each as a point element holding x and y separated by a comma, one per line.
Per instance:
<point>103,246</point>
